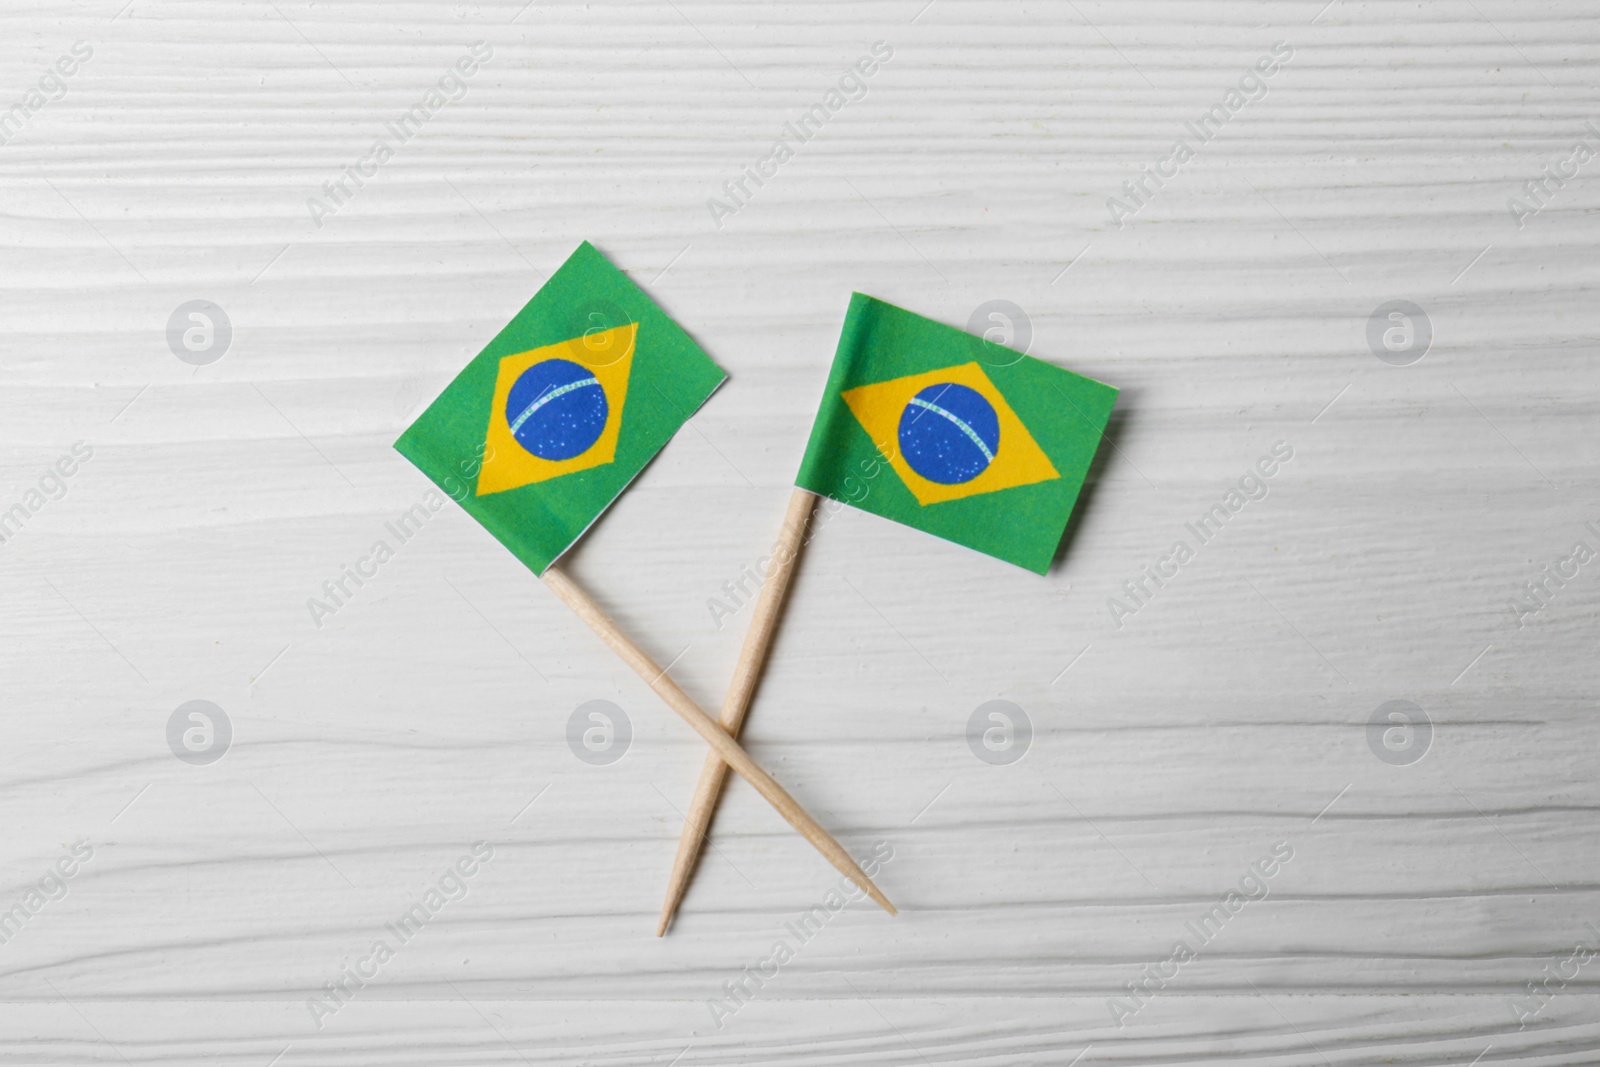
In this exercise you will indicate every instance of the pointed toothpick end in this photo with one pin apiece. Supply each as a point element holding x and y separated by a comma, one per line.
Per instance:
<point>883,901</point>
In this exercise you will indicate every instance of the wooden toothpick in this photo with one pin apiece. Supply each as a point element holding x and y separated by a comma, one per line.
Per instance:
<point>752,655</point>
<point>719,739</point>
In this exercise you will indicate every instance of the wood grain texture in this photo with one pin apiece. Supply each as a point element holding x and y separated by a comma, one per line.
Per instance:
<point>430,711</point>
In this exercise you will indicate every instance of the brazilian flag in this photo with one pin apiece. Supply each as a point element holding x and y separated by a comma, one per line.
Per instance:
<point>551,421</point>
<point>984,446</point>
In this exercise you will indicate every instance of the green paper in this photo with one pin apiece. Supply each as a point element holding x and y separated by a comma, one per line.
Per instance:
<point>631,375</point>
<point>954,435</point>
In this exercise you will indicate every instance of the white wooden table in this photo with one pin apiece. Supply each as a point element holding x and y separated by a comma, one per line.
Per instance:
<point>1168,755</point>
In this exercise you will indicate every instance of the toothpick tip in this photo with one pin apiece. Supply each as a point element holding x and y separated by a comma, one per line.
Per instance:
<point>883,901</point>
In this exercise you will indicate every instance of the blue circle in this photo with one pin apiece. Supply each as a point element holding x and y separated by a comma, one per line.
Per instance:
<point>949,433</point>
<point>557,409</point>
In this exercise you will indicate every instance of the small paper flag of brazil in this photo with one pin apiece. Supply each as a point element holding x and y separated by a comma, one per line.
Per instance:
<point>551,421</point>
<point>984,446</point>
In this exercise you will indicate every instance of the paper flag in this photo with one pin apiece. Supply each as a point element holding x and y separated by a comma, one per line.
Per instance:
<point>551,421</point>
<point>985,446</point>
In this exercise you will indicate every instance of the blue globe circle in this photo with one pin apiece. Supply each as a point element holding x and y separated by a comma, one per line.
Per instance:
<point>557,409</point>
<point>949,433</point>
